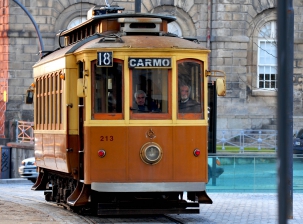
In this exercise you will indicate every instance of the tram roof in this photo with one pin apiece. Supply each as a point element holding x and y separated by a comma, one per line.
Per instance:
<point>142,42</point>
<point>168,18</point>
<point>98,41</point>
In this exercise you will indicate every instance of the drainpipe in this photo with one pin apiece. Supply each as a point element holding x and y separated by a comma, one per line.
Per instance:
<point>137,6</point>
<point>41,47</point>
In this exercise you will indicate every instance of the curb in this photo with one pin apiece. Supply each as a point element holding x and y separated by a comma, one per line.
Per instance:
<point>14,181</point>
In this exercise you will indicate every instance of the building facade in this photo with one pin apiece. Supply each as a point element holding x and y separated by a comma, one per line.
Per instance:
<point>240,33</point>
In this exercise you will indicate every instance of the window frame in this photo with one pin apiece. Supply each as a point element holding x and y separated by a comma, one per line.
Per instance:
<point>192,116</point>
<point>151,115</point>
<point>49,102</point>
<point>271,38</point>
<point>106,116</point>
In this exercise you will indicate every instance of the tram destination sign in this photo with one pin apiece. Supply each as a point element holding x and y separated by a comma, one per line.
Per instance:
<point>105,59</point>
<point>149,62</point>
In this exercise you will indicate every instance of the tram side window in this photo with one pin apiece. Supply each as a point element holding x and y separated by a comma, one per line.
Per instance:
<point>107,89</point>
<point>190,89</point>
<point>149,91</point>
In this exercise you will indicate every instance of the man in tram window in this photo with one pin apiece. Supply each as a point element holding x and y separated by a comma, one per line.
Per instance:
<point>140,97</point>
<point>186,104</point>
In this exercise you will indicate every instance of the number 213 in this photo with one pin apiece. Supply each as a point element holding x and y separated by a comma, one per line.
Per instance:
<point>106,138</point>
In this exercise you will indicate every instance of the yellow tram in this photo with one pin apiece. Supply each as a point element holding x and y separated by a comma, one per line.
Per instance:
<point>121,117</point>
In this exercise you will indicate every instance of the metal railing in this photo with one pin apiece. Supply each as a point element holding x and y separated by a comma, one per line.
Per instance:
<point>239,138</point>
<point>25,131</point>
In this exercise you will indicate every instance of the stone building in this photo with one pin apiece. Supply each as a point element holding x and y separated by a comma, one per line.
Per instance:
<point>240,33</point>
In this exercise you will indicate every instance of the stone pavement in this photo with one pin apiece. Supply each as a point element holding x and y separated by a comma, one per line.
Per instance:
<point>227,208</point>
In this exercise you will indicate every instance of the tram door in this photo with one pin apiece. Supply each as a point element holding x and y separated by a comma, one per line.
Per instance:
<point>212,117</point>
<point>81,130</point>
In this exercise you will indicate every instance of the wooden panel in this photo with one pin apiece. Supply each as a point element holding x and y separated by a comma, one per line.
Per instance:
<point>140,171</point>
<point>187,167</point>
<point>49,151</point>
<point>122,162</point>
<point>39,150</point>
<point>113,166</point>
<point>60,153</point>
<point>113,25</point>
<point>73,156</point>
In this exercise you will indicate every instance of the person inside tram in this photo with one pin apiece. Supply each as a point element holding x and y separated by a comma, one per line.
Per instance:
<point>186,104</point>
<point>140,97</point>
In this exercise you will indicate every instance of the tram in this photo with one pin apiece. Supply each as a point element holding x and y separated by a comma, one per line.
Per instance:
<point>121,116</point>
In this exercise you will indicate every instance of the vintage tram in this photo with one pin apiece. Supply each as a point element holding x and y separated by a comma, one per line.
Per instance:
<point>121,116</point>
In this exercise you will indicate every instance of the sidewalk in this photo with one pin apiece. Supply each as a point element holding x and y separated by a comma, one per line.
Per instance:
<point>14,181</point>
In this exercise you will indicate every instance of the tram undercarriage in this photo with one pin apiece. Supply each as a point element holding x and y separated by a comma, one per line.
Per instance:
<point>74,195</point>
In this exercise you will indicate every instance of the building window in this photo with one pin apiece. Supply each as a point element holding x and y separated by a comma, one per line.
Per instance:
<point>76,21</point>
<point>267,57</point>
<point>174,28</point>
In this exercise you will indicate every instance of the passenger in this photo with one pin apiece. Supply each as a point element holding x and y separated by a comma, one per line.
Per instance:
<point>140,97</point>
<point>186,104</point>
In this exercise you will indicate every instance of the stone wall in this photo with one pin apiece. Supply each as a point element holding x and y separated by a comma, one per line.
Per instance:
<point>231,35</point>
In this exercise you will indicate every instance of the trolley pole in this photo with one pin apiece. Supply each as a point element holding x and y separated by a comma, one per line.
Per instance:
<point>285,109</point>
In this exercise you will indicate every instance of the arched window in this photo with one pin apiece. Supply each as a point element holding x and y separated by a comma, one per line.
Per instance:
<point>76,21</point>
<point>267,57</point>
<point>174,28</point>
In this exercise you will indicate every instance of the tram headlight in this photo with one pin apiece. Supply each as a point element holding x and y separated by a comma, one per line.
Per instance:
<point>151,153</point>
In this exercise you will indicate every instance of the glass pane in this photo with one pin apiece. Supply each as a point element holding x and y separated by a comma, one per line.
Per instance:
<point>190,88</point>
<point>150,93</point>
<point>108,89</point>
<point>268,53</point>
<point>267,69</point>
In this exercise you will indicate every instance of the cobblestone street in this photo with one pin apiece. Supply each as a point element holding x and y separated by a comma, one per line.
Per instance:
<point>19,204</point>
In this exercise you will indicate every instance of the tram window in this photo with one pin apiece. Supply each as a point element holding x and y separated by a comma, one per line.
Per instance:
<point>190,90</point>
<point>149,93</point>
<point>107,91</point>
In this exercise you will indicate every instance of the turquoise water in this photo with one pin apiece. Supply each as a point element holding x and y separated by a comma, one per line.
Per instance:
<point>252,174</point>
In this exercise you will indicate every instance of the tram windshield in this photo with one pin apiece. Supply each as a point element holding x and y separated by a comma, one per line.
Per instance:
<point>107,91</point>
<point>150,92</point>
<point>190,90</point>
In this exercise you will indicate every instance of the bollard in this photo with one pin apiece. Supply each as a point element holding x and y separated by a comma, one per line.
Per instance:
<point>5,162</point>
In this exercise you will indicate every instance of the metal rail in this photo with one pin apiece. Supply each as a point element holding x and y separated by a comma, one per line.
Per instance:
<point>243,139</point>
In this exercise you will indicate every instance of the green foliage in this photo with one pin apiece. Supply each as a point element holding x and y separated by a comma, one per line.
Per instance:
<point>234,149</point>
